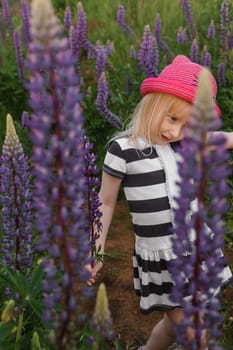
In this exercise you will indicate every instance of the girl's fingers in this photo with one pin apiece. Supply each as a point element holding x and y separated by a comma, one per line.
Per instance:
<point>91,279</point>
<point>90,282</point>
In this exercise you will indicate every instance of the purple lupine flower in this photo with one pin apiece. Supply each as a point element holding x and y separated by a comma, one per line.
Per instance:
<point>221,73</point>
<point>157,28</point>
<point>206,57</point>
<point>15,197</point>
<point>132,52</point>
<point>157,33</point>
<point>101,102</point>
<point>224,25</point>
<point>18,54</point>
<point>109,48</point>
<point>181,37</point>
<point>25,120</point>
<point>199,262</point>
<point>75,48</point>
<point>68,18</point>
<point>211,30</point>
<point>93,202</point>
<point>25,13</point>
<point>60,187</point>
<point>121,20</point>
<point>194,51</point>
<point>7,15</point>
<point>101,59</point>
<point>230,40</point>
<point>154,59</point>
<point>148,55</point>
<point>81,25</point>
<point>91,50</point>
<point>188,15</point>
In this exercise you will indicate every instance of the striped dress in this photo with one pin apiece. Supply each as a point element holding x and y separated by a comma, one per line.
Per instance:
<point>146,185</point>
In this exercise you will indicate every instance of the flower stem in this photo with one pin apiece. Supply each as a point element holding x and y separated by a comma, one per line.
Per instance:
<point>19,331</point>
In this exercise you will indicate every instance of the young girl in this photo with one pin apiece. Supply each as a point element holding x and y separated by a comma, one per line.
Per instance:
<point>137,161</point>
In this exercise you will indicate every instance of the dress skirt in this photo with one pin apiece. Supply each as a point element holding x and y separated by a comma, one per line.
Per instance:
<point>152,279</point>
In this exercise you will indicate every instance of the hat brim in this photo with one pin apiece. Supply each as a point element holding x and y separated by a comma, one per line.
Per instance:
<point>170,87</point>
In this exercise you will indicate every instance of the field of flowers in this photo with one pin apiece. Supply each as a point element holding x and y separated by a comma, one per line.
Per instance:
<point>69,78</point>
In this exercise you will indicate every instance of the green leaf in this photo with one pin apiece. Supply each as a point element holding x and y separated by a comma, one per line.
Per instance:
<point>11,278</point>
<point>37,306</point>
<point>36,280</point>
<point>6,330</point>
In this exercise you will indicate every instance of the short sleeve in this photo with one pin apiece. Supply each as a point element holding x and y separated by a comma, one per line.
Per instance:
<point>114,162</point>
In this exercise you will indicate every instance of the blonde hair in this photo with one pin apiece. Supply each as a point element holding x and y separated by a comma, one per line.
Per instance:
<point>151,106</point>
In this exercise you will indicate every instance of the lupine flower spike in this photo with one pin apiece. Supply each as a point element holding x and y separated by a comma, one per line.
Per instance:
<point>8,312</point>
<point>157,32</point>
<point>81,25</point>
<point>101,59</point>
<point>25,13</point>
<point>132,52</point>
<point>148,54</point>
<point>224,29</point>
<point>211,30</point>
<point>101,102</point>
<point>18,54</point>
<point>194,51</point>
<point>181,37</point>
<point>56,128</point>
<point>221,74</point>
<point>7,16</point>
<point>93,202</point>
<point>15,197</point>
<point>68,18</point>
<point>102,321</point>
<point>188,15</point>
<point>206,57</point>
<point>121,20</point>
<point>199,260</point>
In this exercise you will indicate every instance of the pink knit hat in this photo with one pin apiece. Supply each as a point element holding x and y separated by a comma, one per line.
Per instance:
<point>180,78</point>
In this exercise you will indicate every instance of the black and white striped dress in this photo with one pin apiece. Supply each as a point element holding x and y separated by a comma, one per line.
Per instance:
<point>146,189</point>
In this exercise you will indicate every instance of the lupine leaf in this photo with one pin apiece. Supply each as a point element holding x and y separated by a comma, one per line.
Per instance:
<point>37,276</point>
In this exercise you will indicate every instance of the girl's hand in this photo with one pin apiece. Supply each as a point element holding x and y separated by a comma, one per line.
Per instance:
<point>93,270</point>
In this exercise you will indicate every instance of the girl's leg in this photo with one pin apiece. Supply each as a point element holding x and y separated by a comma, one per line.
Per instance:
<point>176,316</point>
<point>161,336</point>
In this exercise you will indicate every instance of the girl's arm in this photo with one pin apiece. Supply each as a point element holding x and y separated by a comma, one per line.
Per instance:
<point>228,136</point>
<point>229,139</point>
<point>108,197</point>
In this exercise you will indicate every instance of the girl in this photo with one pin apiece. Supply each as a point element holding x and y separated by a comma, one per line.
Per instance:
<point>137,160</point>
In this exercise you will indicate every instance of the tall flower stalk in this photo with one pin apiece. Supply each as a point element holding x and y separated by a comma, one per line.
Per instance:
<point>93,202</point>
<point>101,102</point>
<point>148,55</point>
<point>196,271</point>
<point>101,322</point>
<point>188,15</point>
<point>60,186</point>
<point>25,13</point>
<point>15,197</point>
<point>121,20</point>
<point>18,54</point>
<point>157,32</point>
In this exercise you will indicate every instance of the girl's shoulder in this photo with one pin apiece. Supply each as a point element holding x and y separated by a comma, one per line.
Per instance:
<point>124,142</point>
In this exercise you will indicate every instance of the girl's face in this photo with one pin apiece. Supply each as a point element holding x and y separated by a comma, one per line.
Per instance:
<point>173,124</point>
